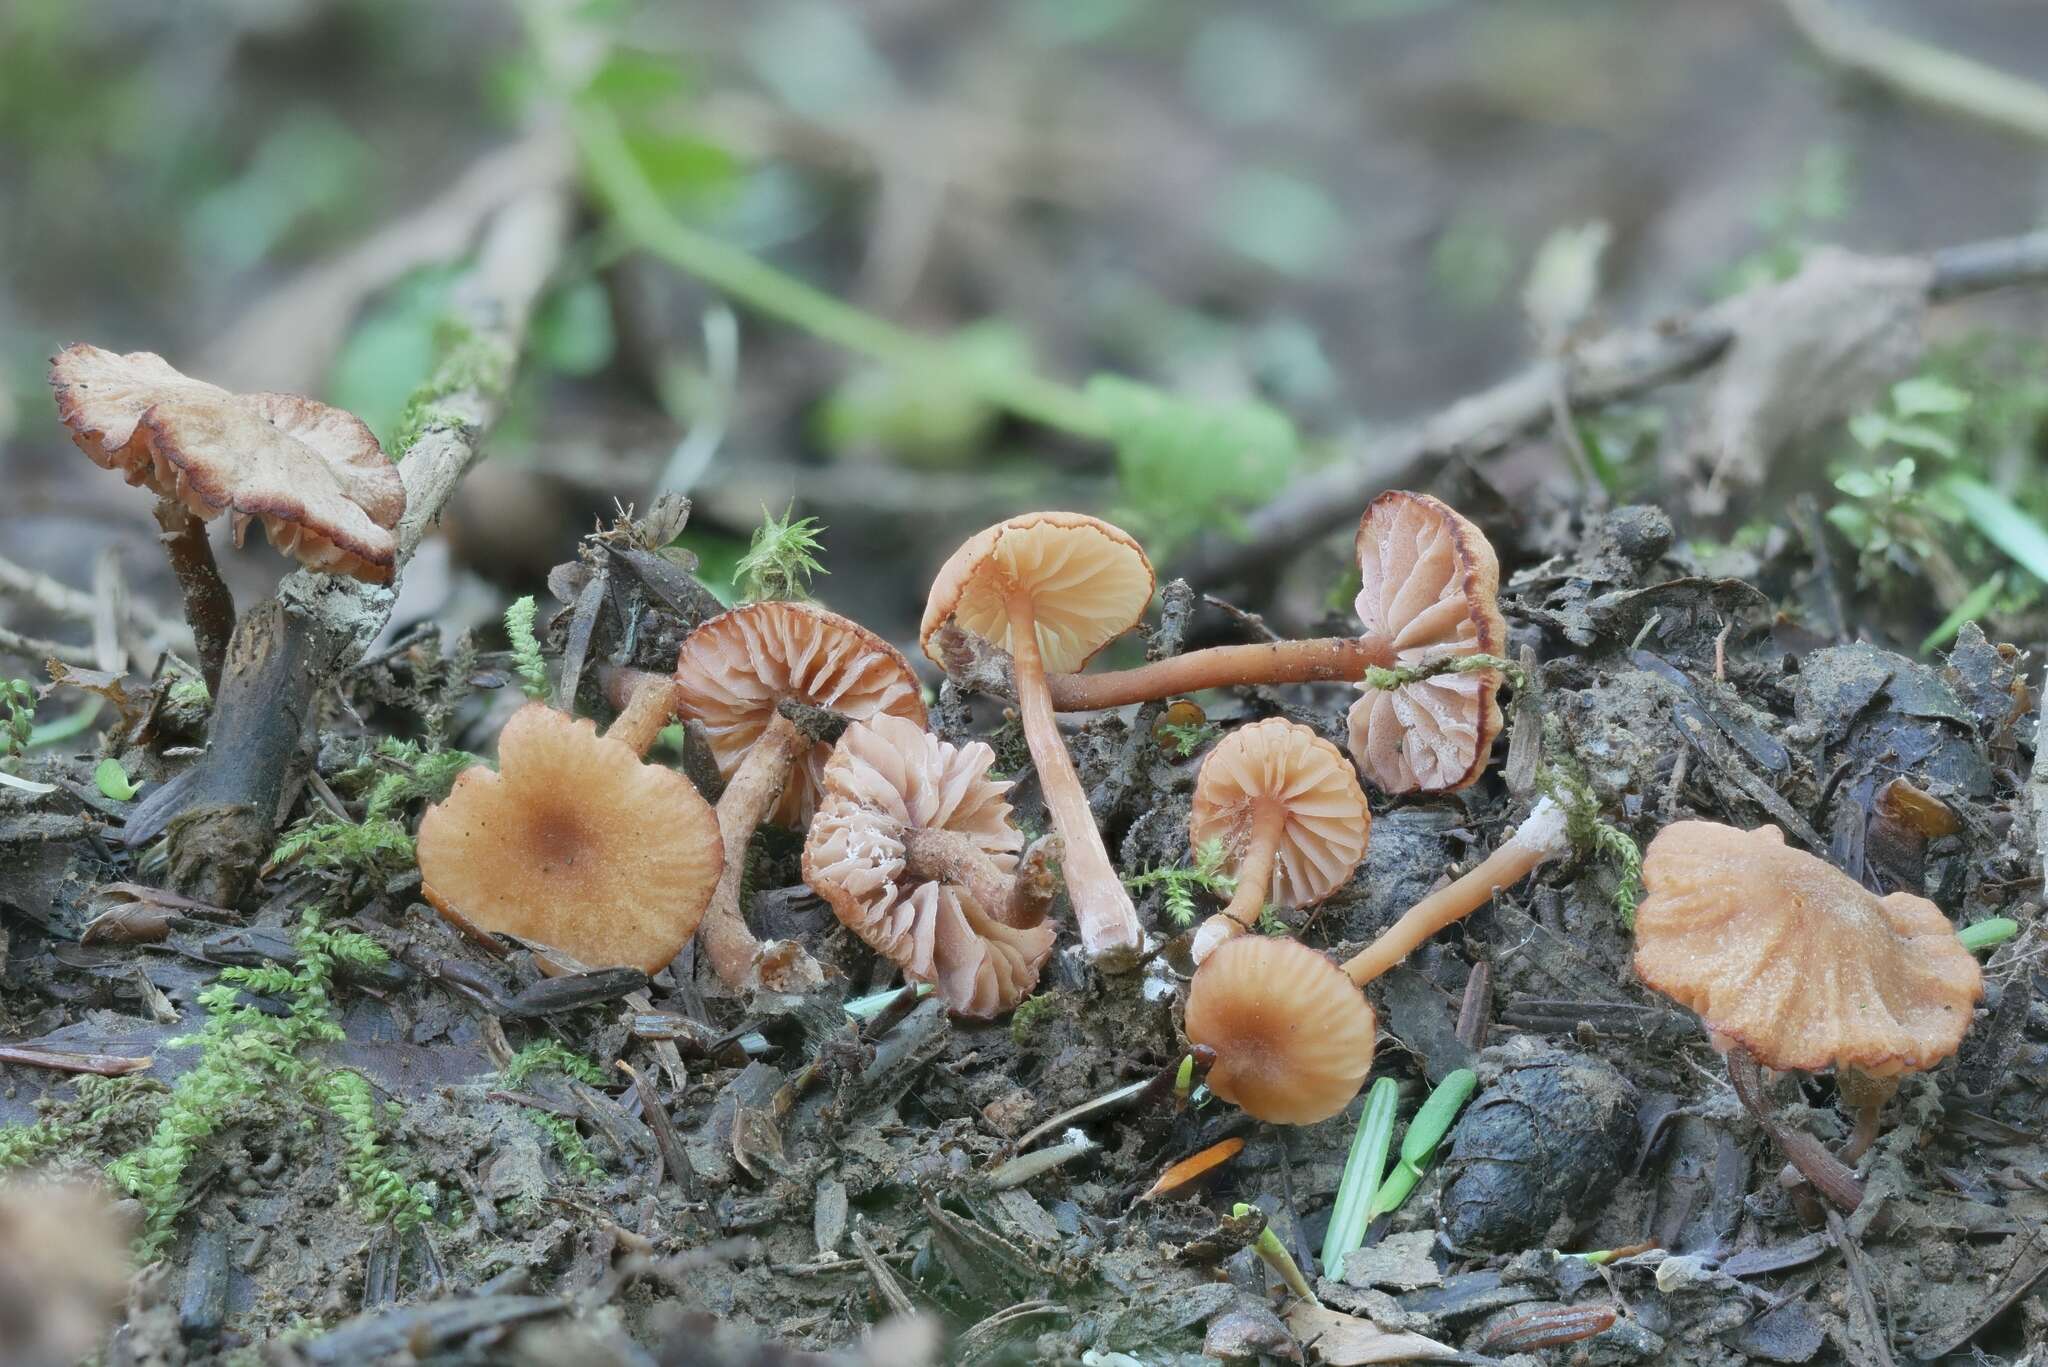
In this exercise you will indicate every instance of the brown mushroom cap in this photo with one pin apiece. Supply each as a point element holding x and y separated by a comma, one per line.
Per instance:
<point>1091,583</point>
<point>890,775</point>
<point>1428,584</point>
<point>1284,763</point>
<point>1791,958</point>
<point>575,844</point>
<point>1293,1038</point>
<point>313,475</point>
<point>735,668</point>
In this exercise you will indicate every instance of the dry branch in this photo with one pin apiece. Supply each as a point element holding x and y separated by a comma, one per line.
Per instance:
<point>1620,364</point>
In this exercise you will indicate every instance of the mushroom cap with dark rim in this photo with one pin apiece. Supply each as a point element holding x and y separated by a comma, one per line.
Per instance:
<point>1282,762</point>
<point>888,776</point>
<point>1429,584</point>
<point>734,669</point>
<point>1293,1038</point>
<point>1089,581</point>
<point>314,476</point>
<point>574,844</point>
<point>1786,955</point>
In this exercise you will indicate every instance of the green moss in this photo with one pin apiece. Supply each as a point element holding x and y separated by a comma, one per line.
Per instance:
<point>469,361</point>
<point>576,1156</point>
<point>552,1056</point>
<point>1029,1014</point>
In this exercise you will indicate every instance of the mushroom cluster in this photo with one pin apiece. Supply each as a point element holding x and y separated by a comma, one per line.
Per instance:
<point>818,725</point>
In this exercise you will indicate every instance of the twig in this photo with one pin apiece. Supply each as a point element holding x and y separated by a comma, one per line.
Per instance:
<point>34,648</point>
<point>61,600</point>
<point>1861,1302</point>
<point>1919,70</point>
<point>1621,364</point>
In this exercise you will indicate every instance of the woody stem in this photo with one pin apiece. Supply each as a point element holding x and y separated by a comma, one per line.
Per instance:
<point>209,606</point>
<point>1328,659</point>
<point>1103,913</point>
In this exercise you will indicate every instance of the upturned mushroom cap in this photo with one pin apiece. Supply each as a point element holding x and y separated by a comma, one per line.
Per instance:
<point>1283,763</point>
<point>573,843</point>
<point>1090,583</point>
<point>1428,584</point>
<point>314,476</point>
<point>1786,955</point>
<point>887,776</point>
<point>1293,1038</point>
<point>735,668</point>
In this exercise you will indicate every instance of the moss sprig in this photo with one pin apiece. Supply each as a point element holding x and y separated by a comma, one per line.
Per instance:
<point>1178,885</point>
<point>781,559</point>
<point>1589,831</point>
<point>551,1056</point>
<point>526,656</point>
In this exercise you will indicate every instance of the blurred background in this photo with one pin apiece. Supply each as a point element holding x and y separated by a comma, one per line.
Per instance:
<point>1328,208</point>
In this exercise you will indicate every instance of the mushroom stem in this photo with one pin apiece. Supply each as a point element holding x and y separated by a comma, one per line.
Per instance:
<point>209,606</point>
<point>1254,881</point>
<point>942,856</point>
<point>1866,1096</point>
<point>1328,659</point>
<point>1535,840</point>
<point>649,707</point>
<point>750,795</point>
<point>1103,913</point>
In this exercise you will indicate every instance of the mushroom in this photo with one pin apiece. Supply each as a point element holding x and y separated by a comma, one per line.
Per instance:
<point>1292,1034</point>
<point>1428,588</point>
<point>1052,589</point>
<point>574,844</point>
<point>1787,957</point>
<point>747,676</point>
<point>913,846</point>
<point>1293,821</point>
<point>315,476</point>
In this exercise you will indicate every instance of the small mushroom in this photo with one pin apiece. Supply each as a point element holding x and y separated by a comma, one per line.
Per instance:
<point>913,847</point>
<point>1292,1034</point>
<point>1786,956</point>
<point>1052,589</point>
<point>314,476</point>
<point>574,844</point>
<point>1429,582</point>
<point>1293,821</point>
<point>746,676</point>
<point>1293,1037</point>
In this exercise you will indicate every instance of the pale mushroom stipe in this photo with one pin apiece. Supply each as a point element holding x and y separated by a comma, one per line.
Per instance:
<point>1052,589</point>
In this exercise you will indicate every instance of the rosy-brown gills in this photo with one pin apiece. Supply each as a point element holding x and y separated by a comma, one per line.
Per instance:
<point>314,476</point>
<point>1052,589</point>
<point>573,843</point>
<point>1293,1037</point>
<point>1293,821</point>
<point>1429,584</point>
<point>1786,955</point>
<point>734,669</point>
<point>913,846</point>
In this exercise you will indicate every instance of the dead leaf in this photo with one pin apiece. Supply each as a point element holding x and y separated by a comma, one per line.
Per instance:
<point>1340,1340</point>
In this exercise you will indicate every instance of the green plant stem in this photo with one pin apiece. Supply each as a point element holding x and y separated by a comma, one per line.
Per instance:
<point>1986,934</point>
<point>617,177</point>
<point>1363,1169</point>
<point>867,1008</point>
<point>1275,1255</point>
<point>1425,1132</point>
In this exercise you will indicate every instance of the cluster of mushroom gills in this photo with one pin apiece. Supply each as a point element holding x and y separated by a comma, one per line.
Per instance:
<point>1785,956</point>
<point>914,849</point>
<point>314,476</point>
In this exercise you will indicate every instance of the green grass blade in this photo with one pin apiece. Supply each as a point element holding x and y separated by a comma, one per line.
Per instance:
<point>2004,523</point>
<point>1361,1180</point>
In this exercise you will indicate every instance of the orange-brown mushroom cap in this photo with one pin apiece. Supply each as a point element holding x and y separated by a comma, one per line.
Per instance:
<point>1283,763</point>
<point>1786,955</point>
<point>1429,584</point>
<point>735,668</point>
<point>887,776</point>
<point>1090,582</point>
<point>1293,1038</point>
<point>573,843</point>
<point>315,476</point>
